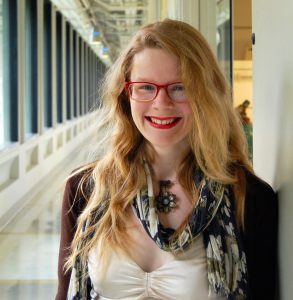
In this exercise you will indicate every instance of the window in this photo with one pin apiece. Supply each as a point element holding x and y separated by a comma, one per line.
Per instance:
<point>31,68</point>
<point>81,76</point>
<point>74,70</point>
<point>8,73</point>
<point>47,64</point>
<point>91,80</point>
<point>59,68</point>
<point>224,36</point>
<point>86,77</point>
<point>242,67</point>
<point>68,70</point>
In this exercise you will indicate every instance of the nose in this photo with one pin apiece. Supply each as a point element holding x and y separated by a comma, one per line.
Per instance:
<point>162,99</point>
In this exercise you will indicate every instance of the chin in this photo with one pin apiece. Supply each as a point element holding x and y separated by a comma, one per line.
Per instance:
<point>161,143</point>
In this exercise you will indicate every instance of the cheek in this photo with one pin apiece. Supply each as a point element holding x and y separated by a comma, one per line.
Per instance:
<point>137,111</point>
<point>186,110</point>
<point>135,114</point>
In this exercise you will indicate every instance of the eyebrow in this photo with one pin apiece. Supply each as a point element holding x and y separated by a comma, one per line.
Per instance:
<point>142,79</point>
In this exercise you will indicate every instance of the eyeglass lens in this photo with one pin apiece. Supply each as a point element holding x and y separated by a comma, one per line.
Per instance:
<point>147,91</point>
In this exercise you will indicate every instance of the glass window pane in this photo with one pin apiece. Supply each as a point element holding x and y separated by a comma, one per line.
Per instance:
<point>223,36</point>
<point>242,67</point>
<point>31,68</point>
<point>74,70</point>
<point>85,82</point>
<point>8,73</point>
<point>68,71</point>
<point>59,66</point>
<point>81,76</point>
<point>47,65</point>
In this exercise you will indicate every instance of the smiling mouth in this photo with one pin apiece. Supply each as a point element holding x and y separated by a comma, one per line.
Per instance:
<point>163,123</point>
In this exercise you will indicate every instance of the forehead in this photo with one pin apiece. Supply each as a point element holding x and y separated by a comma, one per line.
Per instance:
<point>155,65</point>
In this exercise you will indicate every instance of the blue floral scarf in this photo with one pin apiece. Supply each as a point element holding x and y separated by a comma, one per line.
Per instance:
<point>214,217</point>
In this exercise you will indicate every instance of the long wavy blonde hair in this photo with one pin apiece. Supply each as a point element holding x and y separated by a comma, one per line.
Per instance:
<point>217,142</point>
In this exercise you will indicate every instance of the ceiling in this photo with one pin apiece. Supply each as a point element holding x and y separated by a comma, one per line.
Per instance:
<point>106,24</point>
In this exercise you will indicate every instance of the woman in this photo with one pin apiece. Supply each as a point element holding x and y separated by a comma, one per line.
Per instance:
<point>172,209</point>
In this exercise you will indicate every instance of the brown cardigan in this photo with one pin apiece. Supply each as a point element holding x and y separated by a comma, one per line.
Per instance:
<point>259,238</point>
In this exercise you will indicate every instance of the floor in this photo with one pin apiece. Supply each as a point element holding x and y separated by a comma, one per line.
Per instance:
<point>29,251</point>
<point>29,247</point>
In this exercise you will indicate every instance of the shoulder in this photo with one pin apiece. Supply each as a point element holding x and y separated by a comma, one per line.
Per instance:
<point>80,179</point>
<point>261,205</point>
<point>77,189</point>
<point>259,191</point>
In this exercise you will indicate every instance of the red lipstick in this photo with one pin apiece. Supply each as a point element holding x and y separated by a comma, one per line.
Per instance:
<point>163,122</point>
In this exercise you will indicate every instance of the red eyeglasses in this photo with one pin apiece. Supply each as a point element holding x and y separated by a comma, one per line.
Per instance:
<point>148,91</point>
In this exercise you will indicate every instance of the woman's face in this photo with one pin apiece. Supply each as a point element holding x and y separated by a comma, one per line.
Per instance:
<point>163,122</point>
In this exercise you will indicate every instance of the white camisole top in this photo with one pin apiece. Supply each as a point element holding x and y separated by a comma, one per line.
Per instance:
<point>183,277</point>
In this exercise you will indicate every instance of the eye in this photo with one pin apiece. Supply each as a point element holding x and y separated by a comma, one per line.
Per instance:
<point>146,87</point>
<point>177,88</point>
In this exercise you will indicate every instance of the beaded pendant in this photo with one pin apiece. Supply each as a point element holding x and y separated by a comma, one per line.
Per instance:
<point>166,201</point>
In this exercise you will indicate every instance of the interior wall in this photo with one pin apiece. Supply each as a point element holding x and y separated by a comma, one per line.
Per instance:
<point>273,118</point>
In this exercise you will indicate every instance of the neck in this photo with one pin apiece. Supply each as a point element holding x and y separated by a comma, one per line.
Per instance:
<point>167,161</point>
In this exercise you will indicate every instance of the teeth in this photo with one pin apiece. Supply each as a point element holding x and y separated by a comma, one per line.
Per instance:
<point>162,122</point>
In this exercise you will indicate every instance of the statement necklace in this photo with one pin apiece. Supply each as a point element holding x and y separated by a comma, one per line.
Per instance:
<point>165,201</point>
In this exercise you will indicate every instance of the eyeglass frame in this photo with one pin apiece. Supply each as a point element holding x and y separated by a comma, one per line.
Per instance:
<point>158,86</point>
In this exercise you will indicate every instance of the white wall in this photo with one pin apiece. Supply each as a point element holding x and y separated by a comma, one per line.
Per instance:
<point>273,117</point>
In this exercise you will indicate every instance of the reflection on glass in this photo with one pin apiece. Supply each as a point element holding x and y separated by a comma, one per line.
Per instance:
<point>243,110</point>
<point>237,65</point>
<point>242,66</point>
<point>223,36</point>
